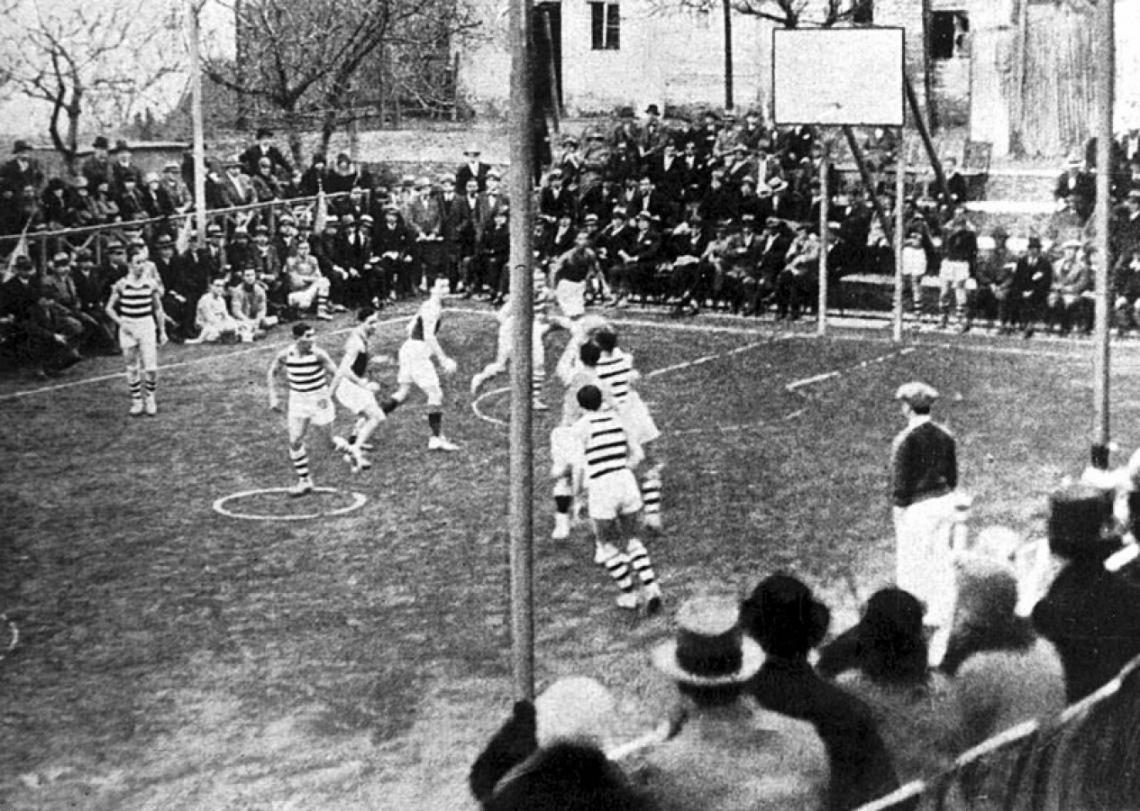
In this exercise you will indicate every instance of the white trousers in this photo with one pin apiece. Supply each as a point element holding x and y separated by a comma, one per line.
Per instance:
<point>924,555</point>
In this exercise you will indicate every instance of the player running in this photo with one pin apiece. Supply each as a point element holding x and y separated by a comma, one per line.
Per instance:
<point>308,369</point>
<point>416,367</point>
<point>355,391</point>
<point>135,305</point>
<point>503,346</point>
<point>614,503</point>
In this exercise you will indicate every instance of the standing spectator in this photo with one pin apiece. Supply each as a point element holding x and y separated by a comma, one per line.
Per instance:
<point>313,179</point>
<point>472,169</point>
<point>123,168</point>
<point>1091,615</point>
<point>1032,280</point>
<point>265,186</point>
<point>924,475</point>
<point>652,135</point>
<point>344,177</point>
<point>450,230</point>
<point>960,253</point>
<point>883,661</point>
<point>235,188</point>
<point>555,200</point>
<point>489,202</point>
<point>178,310</point>
<point>495,253</point>
<point>1126,226</point>
<point>97,167</point>
<point>22,170</point>
<point>955,182</point>
<point>596,159</point>
<point>392,259</point>
<point>91,290</point>
<point>265,148</point>
<point>995,283</point>
<point>177,196</point>
<point>1076,189</point>
<point>728,754</point>
<point>352,251</point>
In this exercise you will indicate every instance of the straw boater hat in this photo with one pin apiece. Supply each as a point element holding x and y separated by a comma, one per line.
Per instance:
<point>710,649</point>
<point>574,708</point>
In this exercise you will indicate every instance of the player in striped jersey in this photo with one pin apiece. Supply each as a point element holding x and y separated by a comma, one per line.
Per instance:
<point>614,504</point>
<point>416,367</point>
<point>496,367</point>
<point>615,369</point>
<point>308,369</point>
<point>135,305</point>
<point>355,391</point>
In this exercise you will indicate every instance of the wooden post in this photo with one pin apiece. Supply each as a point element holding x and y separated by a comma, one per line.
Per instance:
<point>728,90</point>
<point>900,224</point>
<point>522,294</point>
<point>552,68</point>
<point>1105,50</point>
<point>931,152</point>
<point>196,118</point>
<point>824,234</point>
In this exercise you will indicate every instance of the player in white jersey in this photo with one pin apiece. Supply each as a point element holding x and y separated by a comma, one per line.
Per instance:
<point>355,391</point>
<point>135,305</point>
<point>308,369</point>
<point>417,368</point>
<point>615,369</point>
<point>614,502</point>
<point>503,345</point>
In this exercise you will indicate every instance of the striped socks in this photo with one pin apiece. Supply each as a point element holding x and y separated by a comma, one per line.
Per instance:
<point>617,564</point>
<point>651,497</point>
<point>151,386</point>
<point>300,457</point>
<point>638,557</point>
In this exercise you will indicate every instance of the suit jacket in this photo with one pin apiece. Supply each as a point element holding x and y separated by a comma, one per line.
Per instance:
<point>251,157</point>
<point>557,206</point>
<point>1079,190</point>
<point>465,172</point>
<point>668,180</point>
<point>97,171</point>
<point>485,209</point>
<point>1035,280</point>
<point>16,178</point>
<point>120,173</point>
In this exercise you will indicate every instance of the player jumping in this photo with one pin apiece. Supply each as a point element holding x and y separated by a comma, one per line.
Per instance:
<point>135,305</point>
<point>416,367</point>
<point>308,369</point>
<point>355,391</point>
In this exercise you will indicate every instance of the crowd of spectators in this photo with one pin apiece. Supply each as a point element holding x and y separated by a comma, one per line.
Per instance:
<point>760,721</point>
<point>715,212</point>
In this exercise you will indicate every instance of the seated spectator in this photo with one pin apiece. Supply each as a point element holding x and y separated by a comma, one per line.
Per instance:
<point>994,283</point>
<point>638,260</point>
<point>58,286</point>
<point>308,287</point>
<point>785,619</point>
<point>104,204</point>
<point>883,661</point>
<point>264,149</point>
<point>249,304</point>
<point>1003,674</point>
<point>548,755</point>
<point>81,207</point>
<point>313,179</point>
<point>731,753</point>
<point>266,188</point>
<point>213,319</point>
<point>1126,284</point>
<point>22,169</point>
<point>1029,292</point>
<point>1091,615</point>
<point>1067,302</point>
<point>55,205</point>
<point>40,337</point>
<point>1076,189</point>
<point>800,276</point>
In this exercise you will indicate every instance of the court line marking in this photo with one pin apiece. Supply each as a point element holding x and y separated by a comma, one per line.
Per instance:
<point>219,505</point>
<point>796,385</point>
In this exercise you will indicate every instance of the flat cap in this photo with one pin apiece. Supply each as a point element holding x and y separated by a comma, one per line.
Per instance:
<point>917,394</point>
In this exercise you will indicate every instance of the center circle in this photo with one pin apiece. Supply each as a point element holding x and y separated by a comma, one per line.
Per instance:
<point>221,505</point>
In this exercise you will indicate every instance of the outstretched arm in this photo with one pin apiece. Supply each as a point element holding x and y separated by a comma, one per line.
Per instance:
<point>271,379</point>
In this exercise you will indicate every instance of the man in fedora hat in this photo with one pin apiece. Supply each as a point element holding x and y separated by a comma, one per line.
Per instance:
<point>264,147</point>
<point>123,168</point>
<point>472,168</point>
<point>1076,189</point>
<point>729,754</point>
<point>1029,293</point>
<point>97,167</point>
<point>924,476</point>
<point>22,170</point>
<point>1091,615</point>
<point>652,137</point>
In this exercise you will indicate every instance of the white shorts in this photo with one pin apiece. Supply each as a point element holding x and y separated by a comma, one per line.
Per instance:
<point>571,297</point>
<point>612,495</point>
<point>565,451</point>
<point>954,271</point>
<point>914,262</point>
<point>143,334</point>
<point>416,366</point>
<point>637,420</point>
<point>355,398</point>
<point>316,407</point>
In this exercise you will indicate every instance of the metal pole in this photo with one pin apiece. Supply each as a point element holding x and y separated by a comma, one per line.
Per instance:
<point>824,235</point>
<point>900,224</point>
<point>728,55</point>
<point>1105,46</point>
<point>196,117</point>
<point>522,295</point>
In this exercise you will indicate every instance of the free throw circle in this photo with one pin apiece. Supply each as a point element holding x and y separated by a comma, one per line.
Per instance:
<point>222,505</point>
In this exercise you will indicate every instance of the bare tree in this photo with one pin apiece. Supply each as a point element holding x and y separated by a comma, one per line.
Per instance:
<point>305,59</point>
<point>85,58</point>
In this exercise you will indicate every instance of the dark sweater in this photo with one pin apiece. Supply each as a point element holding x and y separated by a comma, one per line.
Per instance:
<point>925,464</point>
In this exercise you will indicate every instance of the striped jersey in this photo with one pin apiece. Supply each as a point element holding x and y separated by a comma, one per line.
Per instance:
<point>616,371</point>
<point>306,372</point>
<point>356,347</point>
<point>136,297</point>
<point>606,446</point>
<point>428,318</point>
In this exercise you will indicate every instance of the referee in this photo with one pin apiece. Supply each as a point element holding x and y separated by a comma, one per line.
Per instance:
<point>924,475</point>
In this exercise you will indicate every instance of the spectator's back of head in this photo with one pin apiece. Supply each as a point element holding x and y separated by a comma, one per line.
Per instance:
<point>892,645</point>
<point>1081,524</point>
<point>783,616</point>
<point>568,776</point>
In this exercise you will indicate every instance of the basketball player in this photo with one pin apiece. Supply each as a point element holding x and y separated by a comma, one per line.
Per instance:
<point>417,368</point>
<point>308,369</point>
<point>614,502</point>
<point>135,305</point>
<point>615,370</point>
<point>355,391</point>
<point>503,353</point>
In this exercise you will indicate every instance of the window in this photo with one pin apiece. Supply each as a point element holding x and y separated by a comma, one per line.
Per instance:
<point>605,26</point>
<point>863,12</point>
<point>948,34</point>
